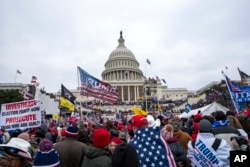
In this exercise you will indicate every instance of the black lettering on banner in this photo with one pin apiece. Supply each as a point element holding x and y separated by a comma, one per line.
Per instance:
<point>239,158</point>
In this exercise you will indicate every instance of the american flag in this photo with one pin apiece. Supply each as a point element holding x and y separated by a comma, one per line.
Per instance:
<point>33,79</point>
<point>151,148</point>
<point>232,87</point>
<point>91,86</point>
<point>158,79</point>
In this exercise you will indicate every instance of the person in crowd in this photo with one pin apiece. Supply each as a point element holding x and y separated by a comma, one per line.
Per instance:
<point>206,146</point>
<point>114,142</point>
<point>125,156</point>
<point>234,122</point>
<point>33,147</point>
<point>195,126</point>
<point>46,155</point>
<point>98,154</point>
<point>15,153</point>
<point>43,129</point>
<point>221,128</point>
<point>245,122</point>
<point>181,136</point>
<point>70,149</point>
<point>175,146</point>
<point>83,134</point>
<point>151,148</point>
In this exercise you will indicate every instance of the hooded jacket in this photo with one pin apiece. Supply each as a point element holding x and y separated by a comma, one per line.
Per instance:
<point>96,157</point>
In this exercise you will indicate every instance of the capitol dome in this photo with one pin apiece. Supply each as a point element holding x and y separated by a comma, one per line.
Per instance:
<point>121,64</point>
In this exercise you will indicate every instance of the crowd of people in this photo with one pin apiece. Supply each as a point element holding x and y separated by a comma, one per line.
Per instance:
<point>142,141</point>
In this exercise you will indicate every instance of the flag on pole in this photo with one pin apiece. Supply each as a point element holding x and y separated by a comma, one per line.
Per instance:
<point>239,94</point>
<point>67,94</point>
<point>33,79</point>
<point>245,79</point>
<point>66,104</point>
<point>91,86</point>
<point>19,72</point>
<point>164,81</point>
<point>158,79</point>
<point>148,61</point>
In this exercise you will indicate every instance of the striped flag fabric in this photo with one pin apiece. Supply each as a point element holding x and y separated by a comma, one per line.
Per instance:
<point>33,79</point>
<point>91,86</point>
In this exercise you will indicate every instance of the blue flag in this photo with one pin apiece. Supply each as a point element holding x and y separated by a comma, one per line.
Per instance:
<point>148,61</point>
<point>239,94</point>
<point>188,108</point>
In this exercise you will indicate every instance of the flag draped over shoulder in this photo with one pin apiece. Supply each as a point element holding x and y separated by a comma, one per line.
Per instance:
<point>152,150</point>
<point>245,79</point>
<point>239,94</point>
<point>67,94</point>
<point>91,86</point>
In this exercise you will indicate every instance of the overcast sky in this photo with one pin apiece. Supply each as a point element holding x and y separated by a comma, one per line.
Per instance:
<point>188,42</point>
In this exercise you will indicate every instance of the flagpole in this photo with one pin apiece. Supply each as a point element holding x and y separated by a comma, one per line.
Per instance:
<point>145,91</point>
<point>79,92</point>
<point>230,92</point>
<point>15,76</point>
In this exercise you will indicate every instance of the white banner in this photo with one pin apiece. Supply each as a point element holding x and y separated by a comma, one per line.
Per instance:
<point>20,115</point>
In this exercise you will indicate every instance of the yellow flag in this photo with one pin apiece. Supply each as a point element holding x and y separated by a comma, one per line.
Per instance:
<point>67,104</point>
<point>55,116</point>
<point>139,111</point>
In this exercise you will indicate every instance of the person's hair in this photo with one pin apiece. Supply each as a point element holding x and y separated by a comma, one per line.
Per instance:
<point>219,115</point>
<point>245,122</point>
<point>234,122</point>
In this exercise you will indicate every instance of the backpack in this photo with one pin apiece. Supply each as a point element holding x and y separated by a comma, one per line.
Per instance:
<point>215,145</point>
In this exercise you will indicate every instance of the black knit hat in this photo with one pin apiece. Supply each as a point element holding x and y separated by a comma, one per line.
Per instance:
<point>125,155</point>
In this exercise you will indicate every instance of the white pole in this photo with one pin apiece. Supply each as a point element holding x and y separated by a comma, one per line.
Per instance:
<point>230,92</point>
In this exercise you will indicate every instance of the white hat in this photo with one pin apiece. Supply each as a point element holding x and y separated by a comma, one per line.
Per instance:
<point>18,146</point>
<point>152,122</point>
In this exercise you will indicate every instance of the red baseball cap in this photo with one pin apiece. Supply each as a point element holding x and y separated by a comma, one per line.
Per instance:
<point>139,121</point>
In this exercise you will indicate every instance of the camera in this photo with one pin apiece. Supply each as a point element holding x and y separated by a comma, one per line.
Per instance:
<point>242,142</point>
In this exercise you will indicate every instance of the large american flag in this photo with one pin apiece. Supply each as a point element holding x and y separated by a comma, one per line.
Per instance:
<point>152,149</point>
<point>91,86</point>
<point>232,87</point>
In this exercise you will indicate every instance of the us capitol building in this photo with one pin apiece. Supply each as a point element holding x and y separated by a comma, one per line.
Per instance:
<point>122,71</point>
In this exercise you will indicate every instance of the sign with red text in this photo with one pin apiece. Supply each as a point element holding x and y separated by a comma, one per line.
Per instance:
<point>20,115</point>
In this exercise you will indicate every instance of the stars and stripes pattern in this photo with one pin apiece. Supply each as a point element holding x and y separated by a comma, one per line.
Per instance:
<point>151,148</point>
<point>232,86</point>
<point>91,86</point>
